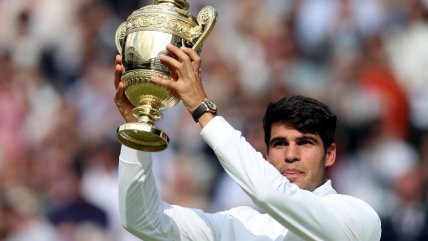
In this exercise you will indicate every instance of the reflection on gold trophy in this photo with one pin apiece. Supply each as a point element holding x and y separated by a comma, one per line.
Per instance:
<point>140,40</point>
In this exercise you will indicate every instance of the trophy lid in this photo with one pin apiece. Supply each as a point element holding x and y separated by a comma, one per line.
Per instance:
<point>183,4</point>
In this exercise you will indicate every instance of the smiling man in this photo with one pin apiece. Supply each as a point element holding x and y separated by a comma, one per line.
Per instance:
<point>291,187</point>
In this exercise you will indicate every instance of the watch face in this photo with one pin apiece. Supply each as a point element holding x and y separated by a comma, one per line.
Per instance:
<point>211,105</point>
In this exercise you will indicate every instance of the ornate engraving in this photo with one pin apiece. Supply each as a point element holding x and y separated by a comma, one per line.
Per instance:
<point>206,19</point>
<point>179,26</point>
<point>205,15</point>
<point>134,77</point>
<point>162,9</point>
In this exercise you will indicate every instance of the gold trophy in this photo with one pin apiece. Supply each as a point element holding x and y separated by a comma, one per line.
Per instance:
<point>140,40</point>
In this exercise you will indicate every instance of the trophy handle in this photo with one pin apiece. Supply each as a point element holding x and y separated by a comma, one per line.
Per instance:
<point>206,19</point>
<point>120,37</point>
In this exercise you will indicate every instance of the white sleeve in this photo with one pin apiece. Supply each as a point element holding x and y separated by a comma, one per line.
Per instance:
<point>145,215</point>
<point>309,216</point>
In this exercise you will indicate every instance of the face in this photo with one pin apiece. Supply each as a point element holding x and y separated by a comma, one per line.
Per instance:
<point>300,157</point>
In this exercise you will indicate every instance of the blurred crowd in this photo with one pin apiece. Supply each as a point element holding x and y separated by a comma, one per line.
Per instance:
<point>367,59</point>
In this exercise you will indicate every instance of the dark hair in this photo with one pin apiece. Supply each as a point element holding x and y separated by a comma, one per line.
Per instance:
<point>305,114</point>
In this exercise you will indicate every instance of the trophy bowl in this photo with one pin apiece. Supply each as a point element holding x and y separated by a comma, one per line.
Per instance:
<point>140,40</point>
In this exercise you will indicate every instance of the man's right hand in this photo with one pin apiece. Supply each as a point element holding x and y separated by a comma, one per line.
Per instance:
<point>125,107</point>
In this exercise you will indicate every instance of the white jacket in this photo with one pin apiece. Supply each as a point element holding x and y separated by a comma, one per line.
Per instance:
<point>291,213</point>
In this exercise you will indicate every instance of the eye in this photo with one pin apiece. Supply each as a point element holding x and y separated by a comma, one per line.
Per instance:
<point>306,142</point>
<point>278,143</point>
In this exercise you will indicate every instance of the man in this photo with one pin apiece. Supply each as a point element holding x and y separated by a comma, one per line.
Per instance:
<point>292,188</point>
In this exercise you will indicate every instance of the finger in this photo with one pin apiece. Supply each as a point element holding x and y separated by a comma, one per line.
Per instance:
<point>120,96</point>
<point>118,71</point>
<point>117,75</point>
<point>170,61</point>
<point>163,82</point>
<point>181,55</point>
<point>124,105</point>
<point>195,58</point>
<point>118,59</point>
<point>186,65</point>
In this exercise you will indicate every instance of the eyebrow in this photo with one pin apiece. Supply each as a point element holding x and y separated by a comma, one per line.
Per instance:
<point>303,137</point>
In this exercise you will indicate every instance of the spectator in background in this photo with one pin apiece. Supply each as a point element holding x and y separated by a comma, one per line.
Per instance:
<point>14,108</point>
<point>4,212</point>
<point>409,221</point>
<point>74,214</point>
<point>22,217</point>
<point>407,51</point>
<point>375,162</point>
<point>378,79</point>
<point>99,185</point>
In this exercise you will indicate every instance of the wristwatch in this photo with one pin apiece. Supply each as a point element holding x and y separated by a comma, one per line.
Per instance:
<point>206,106</point>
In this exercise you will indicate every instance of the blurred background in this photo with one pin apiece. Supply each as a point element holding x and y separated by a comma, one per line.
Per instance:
<point>367,59</point>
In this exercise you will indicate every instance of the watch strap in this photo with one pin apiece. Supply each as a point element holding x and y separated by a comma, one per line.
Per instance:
<point>201,109</point>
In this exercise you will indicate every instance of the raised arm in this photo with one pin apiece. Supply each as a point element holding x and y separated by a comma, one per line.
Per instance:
<point>142,211</point>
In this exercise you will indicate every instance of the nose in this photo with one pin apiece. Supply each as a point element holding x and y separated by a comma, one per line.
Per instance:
<point>292,153</point>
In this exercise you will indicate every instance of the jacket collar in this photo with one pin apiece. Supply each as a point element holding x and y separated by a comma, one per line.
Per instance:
<point>325,189</point>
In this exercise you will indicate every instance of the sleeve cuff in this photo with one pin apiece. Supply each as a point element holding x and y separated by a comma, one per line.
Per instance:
<point>216,131</point>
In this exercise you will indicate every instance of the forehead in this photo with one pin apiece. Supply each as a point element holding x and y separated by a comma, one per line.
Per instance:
<point>287,131</point>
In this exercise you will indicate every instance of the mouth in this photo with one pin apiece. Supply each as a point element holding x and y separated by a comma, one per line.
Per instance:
<point>292,174</point>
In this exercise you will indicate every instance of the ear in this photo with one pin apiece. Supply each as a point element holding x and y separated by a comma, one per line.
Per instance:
<point>330,156</point>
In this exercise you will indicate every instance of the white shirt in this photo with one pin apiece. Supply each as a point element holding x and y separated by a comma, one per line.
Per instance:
<point>291,213</point>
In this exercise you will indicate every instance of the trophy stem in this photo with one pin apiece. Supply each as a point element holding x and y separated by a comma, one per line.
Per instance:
<point>147,114</point>
<point>143,135</point>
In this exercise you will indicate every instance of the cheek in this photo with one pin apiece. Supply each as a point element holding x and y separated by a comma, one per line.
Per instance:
<point>274,159</point>
<point>310,154</point>
<point>316,165</point>
<point>313,160</point>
